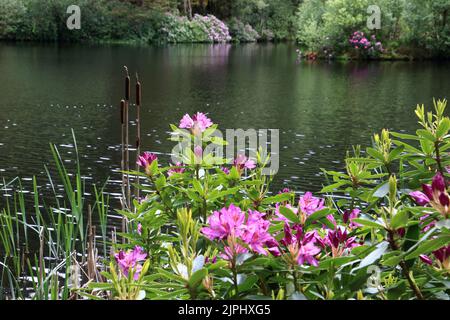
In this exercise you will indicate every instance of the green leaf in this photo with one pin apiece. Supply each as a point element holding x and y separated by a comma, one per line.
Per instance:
<point>382,190</point>
<point>336,262</point>
<point>197,277</point>
<point>318,215</point>
<point>375,154</point>
<point>289,214</point>
<point>429,246</point>
<point>160,182</point>
<point>392,258</point>
<point>404,136</point>
<point>334,186</point>
<point>395,153</point>
<point>368,223</point>
<point>411,238</point>
<point>400,219</point>
<point>248,283</point>
<point>374,255</point>
<point>278,198</point>
<point>443,128</point>
<point>426,135</point>
<point>197,186</point>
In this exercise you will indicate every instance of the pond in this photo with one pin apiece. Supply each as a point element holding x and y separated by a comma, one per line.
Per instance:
<point>321,108</point>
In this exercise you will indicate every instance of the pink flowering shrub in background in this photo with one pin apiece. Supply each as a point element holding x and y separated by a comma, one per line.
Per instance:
<point>216,30</point>
<point>365,46</point>
<point>179,29</point>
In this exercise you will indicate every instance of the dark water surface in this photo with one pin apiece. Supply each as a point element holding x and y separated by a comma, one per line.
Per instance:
<point>321,108</point>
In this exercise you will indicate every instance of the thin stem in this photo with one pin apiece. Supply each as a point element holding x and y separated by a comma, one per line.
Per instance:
<point>158,192</point>
<point>295,276</point>
<point>405,268</point>
<point>439,161</point>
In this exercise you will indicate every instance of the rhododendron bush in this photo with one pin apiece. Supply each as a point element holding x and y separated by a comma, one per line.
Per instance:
<point>214,228</point>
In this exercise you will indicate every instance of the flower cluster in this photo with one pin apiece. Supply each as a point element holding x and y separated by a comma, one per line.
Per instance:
<point>217,30</point>
<point>145,160</point>
<point>360,42</point>
<point>199,29</point>
<point>348,217</point>
<point>442,256</point>
<point>242,162</point>
<point>298,247</point>
<point>308,204</point>
<point>198,123</point>
<point>435,195</point>
<point>178,168</point>
<point>129,260</point>
<point>231,224</point>
<point>338,241</point>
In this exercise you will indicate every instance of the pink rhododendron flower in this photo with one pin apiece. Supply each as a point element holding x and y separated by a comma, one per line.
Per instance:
<point>426,226</point>
<point>284,190</point>
<point>420,198</point>
<point>179,169</point>
<point>139,229</point>
<point>129,260</point>
<point>230,252</point>
<point>442,256</point>
<point>310,204</point>
<point>435,194</point>
<point>256,233</point>
<point>301,247</point>
<point>231,224</point>
<point>198,151</point>
<point>145,160</point>
<point>224,223</point>
<point>242,162</point>
<point>348,216</point>
<point>338,240</point>
<point>198,123</point>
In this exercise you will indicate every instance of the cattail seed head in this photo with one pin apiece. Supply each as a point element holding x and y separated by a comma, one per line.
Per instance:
<point>122,110</point>
<point>138,93</point>
<point>127,88</point>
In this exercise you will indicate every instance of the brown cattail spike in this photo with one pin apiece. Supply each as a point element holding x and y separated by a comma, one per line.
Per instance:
<point>122,111</point>
<point>127,88</point>
<point>138,93</point>
<point>127,85</point>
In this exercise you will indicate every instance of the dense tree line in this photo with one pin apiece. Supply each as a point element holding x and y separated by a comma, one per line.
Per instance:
<point>408,27</point>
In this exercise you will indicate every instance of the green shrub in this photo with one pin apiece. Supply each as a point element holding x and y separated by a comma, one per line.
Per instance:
<point>242,32</point>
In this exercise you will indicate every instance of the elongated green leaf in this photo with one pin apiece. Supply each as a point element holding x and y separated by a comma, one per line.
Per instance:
<point>289,214</point>
<point>368,223</point>
<point>196,279</point>
<point>400,219</point>
<point>429,246</point>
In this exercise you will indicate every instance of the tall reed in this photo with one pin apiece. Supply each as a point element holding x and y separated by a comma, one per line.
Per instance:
<point>38,247</point>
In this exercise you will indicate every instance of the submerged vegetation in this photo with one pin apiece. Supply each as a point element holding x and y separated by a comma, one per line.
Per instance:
<point>408,28</point>
<point>207,227</point>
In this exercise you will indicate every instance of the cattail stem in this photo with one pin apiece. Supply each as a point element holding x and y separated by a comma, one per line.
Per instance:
<point>138,133</point>
<point>91,255</point>
<point>122,163</point>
